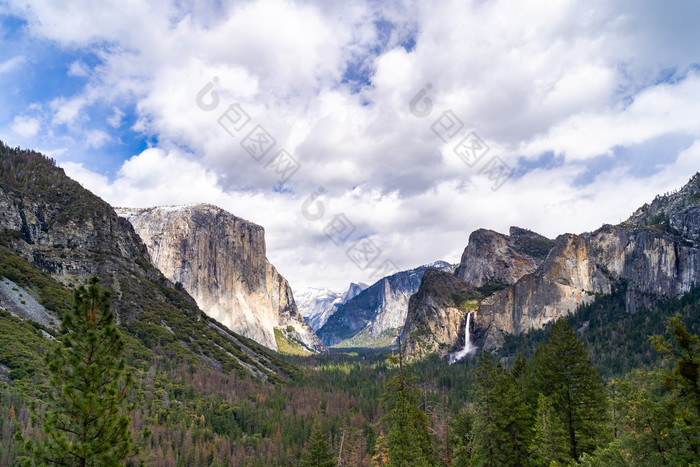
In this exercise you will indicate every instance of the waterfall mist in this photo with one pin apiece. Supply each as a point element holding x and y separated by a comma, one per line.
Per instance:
<point>468,346</point>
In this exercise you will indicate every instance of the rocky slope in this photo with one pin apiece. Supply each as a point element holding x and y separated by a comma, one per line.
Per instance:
<point>656,253</point>
<point>317,305</point>
<point>373,316</point>
<point>54,234</point>
<point>220,261</point>
<point>491,257</point>
<point>438,311</point>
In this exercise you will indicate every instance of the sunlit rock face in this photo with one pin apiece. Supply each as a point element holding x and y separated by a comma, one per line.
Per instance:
<point>502,259</point>
<point>656,253</point>
<point>528,280</point>
<point>220,261</point>
<point>653,263</point>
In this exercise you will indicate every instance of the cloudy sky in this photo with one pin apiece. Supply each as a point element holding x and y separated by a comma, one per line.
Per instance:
<point>367,135</point>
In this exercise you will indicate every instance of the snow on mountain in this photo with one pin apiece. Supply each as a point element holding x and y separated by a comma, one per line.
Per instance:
<point>317,305</point>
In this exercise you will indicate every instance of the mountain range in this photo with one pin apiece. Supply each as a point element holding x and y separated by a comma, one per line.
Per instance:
<point>317,305</point>
<point>54,234</point>
<point>517,283</point>
<point>372,318</point>
<point>194,281</point>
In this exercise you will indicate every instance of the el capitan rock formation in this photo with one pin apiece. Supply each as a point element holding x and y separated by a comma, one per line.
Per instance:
<point>220,261</point>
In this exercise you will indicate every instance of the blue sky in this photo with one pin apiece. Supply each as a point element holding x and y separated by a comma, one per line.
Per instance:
<point>37,72</point>
<point>590,106</point>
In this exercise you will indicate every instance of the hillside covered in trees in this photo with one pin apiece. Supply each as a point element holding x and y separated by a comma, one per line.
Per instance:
<point>540,399</point>
<point>592,388</point>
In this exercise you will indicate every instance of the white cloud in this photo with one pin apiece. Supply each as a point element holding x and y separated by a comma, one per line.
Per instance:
<point>92,181</point>
<point>25,126</point>
<point>115,120</point>
<point>68,111</point>
<point>152,177</point>
<point>12,63</point>
<point>658,110</point>
<point>95,139</point>
<point>78,68</point>
<point>576,79</point>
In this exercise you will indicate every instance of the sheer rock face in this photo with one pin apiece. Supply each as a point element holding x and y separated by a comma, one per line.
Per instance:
<point>437,314</point>
<point>656,253</point>
<point>491,257</point>
<point>378,310</point>
<point>220,261</point>
<point>654,264</point>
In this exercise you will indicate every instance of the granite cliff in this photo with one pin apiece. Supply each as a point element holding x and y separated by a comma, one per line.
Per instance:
<point>491,257</point>
<point>437,314</point>
<point>372,318</point>
<point>54,234</point>
<point>528,280</point>
<point>220,261</point>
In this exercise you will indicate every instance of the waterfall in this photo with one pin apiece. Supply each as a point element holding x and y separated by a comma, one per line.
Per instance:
<point>468,346</point>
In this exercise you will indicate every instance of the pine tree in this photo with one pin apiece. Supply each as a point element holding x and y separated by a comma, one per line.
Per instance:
<point>487,434</point>
<point>501,427</point>
<point>646,425</point>
<point>87,416</point>
<point>659,423</point>
<point>685,350</point>
<point>562,370</point>
<point>462,438</point>
<point>683,383</point>
<point>513,419</point>
<point>318,452</point>
<point>408,439</point>
<point>549,443</point>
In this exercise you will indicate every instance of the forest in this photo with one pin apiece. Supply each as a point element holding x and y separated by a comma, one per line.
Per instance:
<point>594,389</point>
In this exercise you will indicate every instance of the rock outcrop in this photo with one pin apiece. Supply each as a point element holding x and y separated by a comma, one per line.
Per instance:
<point>67,231</point>
<point>372,317</point>
<point>652,262</point>
<point>220,261</point>
<point>55,234</point>
<point>656,253</point>
<point>491,257</point>
<point>437,314</point>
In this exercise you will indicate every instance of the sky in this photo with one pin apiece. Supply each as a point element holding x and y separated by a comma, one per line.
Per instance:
<point>368,136</point>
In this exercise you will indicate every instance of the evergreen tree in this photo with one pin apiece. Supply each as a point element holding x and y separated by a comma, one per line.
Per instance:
<point>502,428</point>
<point>514,419</point>
<point>683,383</point>
<point>86,418</point>
<point>658,410</point>
<point>318,451</point>
<point>408,439</point>
<point>549,444</point>
<point>684,380</point>
<point>647,433</point>
<point>462,426</point>
<point>562,370</point>
<point>487,435</point>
